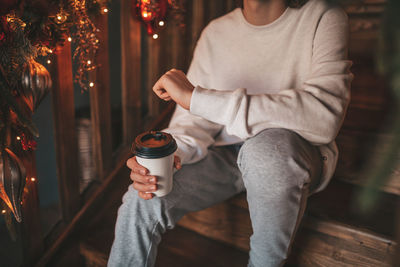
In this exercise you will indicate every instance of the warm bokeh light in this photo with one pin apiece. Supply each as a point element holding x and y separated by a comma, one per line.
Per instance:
<point>161,23</point>
<point>155,36</point>
<point>91,84</point>
<point>33,179</point>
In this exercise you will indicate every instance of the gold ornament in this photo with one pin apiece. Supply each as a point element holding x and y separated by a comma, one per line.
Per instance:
<point>12,181</point>
<point>36,83</point>
<point>61,16</point>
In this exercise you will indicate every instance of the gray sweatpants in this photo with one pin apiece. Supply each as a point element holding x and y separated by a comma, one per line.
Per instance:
<point>277,168</point>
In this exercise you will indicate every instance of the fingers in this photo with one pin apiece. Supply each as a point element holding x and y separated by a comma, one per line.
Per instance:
<point>177,162</point>
<point>146,188</point>
<point>165,96</point>
<point>145,196</point>
<point>145,184</point>
<point>173,75</point>
<point>135,166</point>
<point>145,179</point>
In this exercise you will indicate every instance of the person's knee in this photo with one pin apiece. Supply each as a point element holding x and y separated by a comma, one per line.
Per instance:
<point>271,158</point>
<point>269,148</point>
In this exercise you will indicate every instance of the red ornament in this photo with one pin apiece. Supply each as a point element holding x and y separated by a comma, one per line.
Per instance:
<point>27,144</point>
<point>151,12</point>
<point>5,30</point>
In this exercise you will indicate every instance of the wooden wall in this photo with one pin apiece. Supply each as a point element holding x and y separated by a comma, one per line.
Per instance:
<point>146,59</point>
<point>366,130</point>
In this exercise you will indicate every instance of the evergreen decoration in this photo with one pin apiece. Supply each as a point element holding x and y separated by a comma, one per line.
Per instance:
<point>31,31</point>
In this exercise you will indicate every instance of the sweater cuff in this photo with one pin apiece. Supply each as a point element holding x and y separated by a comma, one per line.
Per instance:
<point>206,103</point>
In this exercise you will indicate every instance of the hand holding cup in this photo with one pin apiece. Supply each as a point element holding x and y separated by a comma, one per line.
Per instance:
<point>143,182</point>
<point>152,166</point>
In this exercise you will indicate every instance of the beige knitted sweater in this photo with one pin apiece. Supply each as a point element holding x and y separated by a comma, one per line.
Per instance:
<point>292,73</point>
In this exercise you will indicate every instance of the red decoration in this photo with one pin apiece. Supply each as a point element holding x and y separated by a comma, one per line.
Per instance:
<point>151,12</point>
<point>27,144</point>
<point>5,30</point>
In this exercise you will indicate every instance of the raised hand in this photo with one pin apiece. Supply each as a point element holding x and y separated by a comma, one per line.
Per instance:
<point>174,85</point>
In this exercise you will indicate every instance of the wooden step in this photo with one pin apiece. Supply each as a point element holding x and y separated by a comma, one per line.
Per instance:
<point>179,247</point>
<point>330,243</point>
<point>331,234</point>
<point>361,152</point>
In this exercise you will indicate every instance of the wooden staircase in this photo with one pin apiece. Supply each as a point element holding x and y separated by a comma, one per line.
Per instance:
<point>333,232</point>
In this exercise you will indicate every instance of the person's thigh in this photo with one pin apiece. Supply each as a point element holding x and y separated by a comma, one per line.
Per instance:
<point>207,182</point>
<point>278,168</point>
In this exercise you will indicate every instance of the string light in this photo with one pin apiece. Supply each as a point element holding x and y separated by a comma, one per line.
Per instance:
<point>155,36</point>
<point>85,38</point>
<point>105,10</point>
<point>50,51</point>
<point>18,138</point>
<point>33,179</point>
<point>48,61</point>
<point>89,62</point>
<point>161,23</point>
<point>69,39</point>
<point>3,211</point>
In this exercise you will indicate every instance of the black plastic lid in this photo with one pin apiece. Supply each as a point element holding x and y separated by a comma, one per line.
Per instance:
<point>152,145</point>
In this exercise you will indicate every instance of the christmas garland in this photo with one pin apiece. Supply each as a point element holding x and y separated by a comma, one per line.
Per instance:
<point>30,30</point>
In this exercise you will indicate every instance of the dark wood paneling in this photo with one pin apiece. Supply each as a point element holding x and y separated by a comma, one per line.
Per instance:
<point>31,228</point>
<point>153,71</point>
<point>90,209</point>
<point>100,110</point>
<point>131,73</point>
<point>360,152</point>
<point>65,135</point>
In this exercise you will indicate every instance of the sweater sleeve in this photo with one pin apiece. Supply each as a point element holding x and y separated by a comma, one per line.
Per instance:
<point>193,133</point>
<point>315,111</point>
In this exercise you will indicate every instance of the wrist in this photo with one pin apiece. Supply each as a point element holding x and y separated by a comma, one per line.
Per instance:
<point>188,99</point>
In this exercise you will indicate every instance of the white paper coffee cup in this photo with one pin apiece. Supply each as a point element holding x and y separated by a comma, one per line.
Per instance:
<point>155,151</point>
